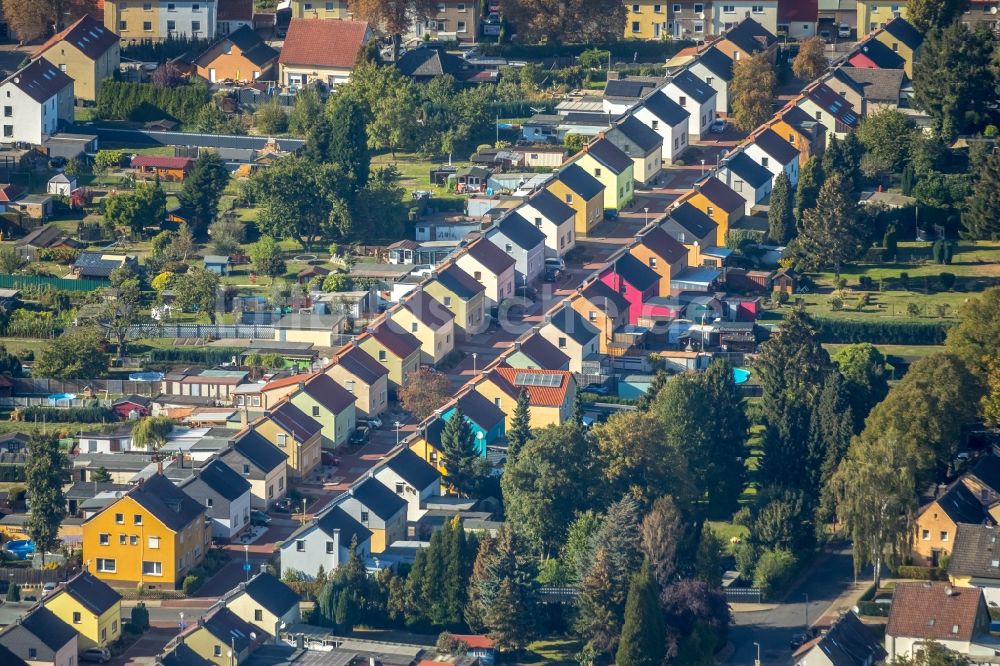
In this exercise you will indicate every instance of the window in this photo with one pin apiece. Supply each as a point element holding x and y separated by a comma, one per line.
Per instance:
<point>399,488</point>
<point>114,628</point>
<point>281,483</point>
<point>764,161</point>
<point>209,502</point>
<point>246,470</point>
<point>682,100</point>
<point>461,6</point>
<point>478,275</point>
<point>508,247</point>
<point>569,198</point>
<point>32,653</point>
<point>496,401</point>
<point>153,542</point>
<point>381,355</point>
<point>120,518</point>
<point>76,617</point>
<point>636,9</point>
<point>171,26</point>
<point>364,517</point>
<point>137,519</point>
<point>791,138</point>
<point>196,8</point>
<point>709,211</point>
<point>122,26</point>
<point>460,27</point>
<point>147,7</point>
<point>447,301</point>
<point>925,535</point>
<point>195,26</point>
<point>122,539</point>
<point>699,8</point>
<point>652,262</point>
<point>307,6</point>
<point>738,185</point>
<point>597,173</point>
<point>413,327</point>
<point>657,9</point>
<point>656,125</point>
<point>170,6</point>
<point>133,540</point>
<point>895,47</point>
<point>105,565</point>
<point>258,615</point>
<point>819,115</point>
<point>300,546</point>
<point>147,26</point>
<point>635,26</point>
<point>728,9</point>
<point>104,539</point>
<point>677,9</point>
<point>217,650</point>
<point>757,9</point>
<point>350,385</point>
<point>329,547</point>
<point>329,7</point>
<point>709,79</point>
<point>592,316</point>
<point>282,440</point>
<point>675,143</point>
<point>944,535</point>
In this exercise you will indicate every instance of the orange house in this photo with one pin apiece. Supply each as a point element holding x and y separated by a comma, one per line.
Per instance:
<point>239,56</point>
<point>661,252</point>
<point>150,167</point>
<point>720,202</point>
<point>805,133</point>
<point>603,307</point>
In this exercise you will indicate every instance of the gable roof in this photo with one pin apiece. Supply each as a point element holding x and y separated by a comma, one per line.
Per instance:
<point>513,380</point>
<point>987,470</point>
<point>282,382</point>
<point>44,236</point>
<point>293,420</point>
<point>543,352</point>
<point>39,80</point>
<point>608,154</point>
<point>230,628</point>
<point>551,206</point>
<point>572,323</point>
<point>221,478</point>
<point>600,294</point>
<point>693,220</point>
<point>276,597</point>
<point>429,61</point>
<point>775,146</point>
<point>748,170</point>
<point>663,245</point>
<point>87,34</point>
<point>90,591</point>
<point>904,31</point>
<point>247,41</point>
<point>254,447</point>
<point>636,273</point>
<point>666,109</point>
<point>975,552</point>
<point>46,626</point>
<point>961,505</point>
<point>519,231</point>
<point>582,183</point>
<point>490,256</point>
<point>632,87</point>
<point>884,85</point>
<point>336,518</point>
<point>750,36</point>
<point>459,282</point>
<point>323,43</point>
<point>847,643</point>
<point>361,365</point>
<point>426,309</point>
<point>881,55</point>
<point>8,658</point>
<point>413,469</point>
<point>693,87</point>
<point>480,411</point>
<point>399,343</point>
<point>932,610</point>
<point>717,62</point>
<point>183,655</point>
<point>166,502</point>
<point>720,194</point>
<point>161,162</point>
<point>327,392</point>
<point>639,133</point>
<point>834,103</point>
<point>375,497</point>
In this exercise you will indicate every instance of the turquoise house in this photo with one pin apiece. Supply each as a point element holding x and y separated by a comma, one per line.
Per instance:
<point>486,419</point>
<point>633,387</point>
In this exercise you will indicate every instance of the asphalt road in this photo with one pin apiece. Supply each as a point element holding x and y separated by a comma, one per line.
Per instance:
<point>774,629</point>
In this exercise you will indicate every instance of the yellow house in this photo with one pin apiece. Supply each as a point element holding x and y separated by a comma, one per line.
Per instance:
<point>90,606</point>
<point>221,637</point>
<point>721,203</point>
<point>153,535</point>
<point>429,321</point>
<point>801,130</point>
<point>87,51</point>
<point>427,445</point>
<point>875,13</point>
<point>379,509</point>
<point>581,192</point>
<point>320,397</point>
<point>550,393</point>
<point>463,295</point>
<point>646,19</point>
<point>322,9</point>
<point>295,433</point>
<point>363,377</point>
<point>307,56</point>
<point>397,351</point>
<point>603,307</point>
<point>612,168</point>
<point>904,40</point>
<point>266,602</point>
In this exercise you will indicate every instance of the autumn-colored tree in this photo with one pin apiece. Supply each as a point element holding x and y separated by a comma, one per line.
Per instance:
<point>424,391</point>
<point>811,62</point>
<point>395,17</point>
<point>29,19</point>
<point>752,91</point>
<point>565,20</point>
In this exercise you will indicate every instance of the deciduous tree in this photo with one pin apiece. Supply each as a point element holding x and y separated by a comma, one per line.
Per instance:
<point>697,622</point>
<point>811,60</point>
<point>752,91</point>
<point>143,207</point>
<point>928,15</point>
<point>982,219</point>
<point>120,312</point>
<point>579,21</point>
<point>76,354</point>
<point>863,368</point>
<point>198,290</point>
<point>424,391</point>
<point>266,257</point>
<point>976,337</point>
<point>395,17</point>
<point>886,136</point>
<point>29,20</point>
<point>150,432</point>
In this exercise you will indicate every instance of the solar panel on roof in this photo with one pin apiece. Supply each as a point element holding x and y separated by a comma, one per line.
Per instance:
<point>537,379</point>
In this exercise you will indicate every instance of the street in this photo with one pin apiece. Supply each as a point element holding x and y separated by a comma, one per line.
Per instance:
<point>830,581</point>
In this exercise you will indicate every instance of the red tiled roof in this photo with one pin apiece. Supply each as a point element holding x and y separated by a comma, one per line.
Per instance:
<point>928,611</point>
<point>161,162</point>
<point>474,640</point>
<point>323,43</point>
<point>285,381</point>
<point>507,378</point>
<point>9,192</point>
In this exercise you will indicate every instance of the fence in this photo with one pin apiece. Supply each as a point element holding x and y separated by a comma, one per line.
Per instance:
<point>241,331</point>
<point>743,595</point>
<point>24,281</point>
<point>25,387</point>
<point>19,576</point>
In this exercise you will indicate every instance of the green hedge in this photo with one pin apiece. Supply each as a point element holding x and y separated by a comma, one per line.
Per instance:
<point>71,415</point>
<point>210,356</point>
<point>873,609</point>
<point>121,100</point>
<point>641,50</point>
<point>882,332</point>
<point>921,573</point>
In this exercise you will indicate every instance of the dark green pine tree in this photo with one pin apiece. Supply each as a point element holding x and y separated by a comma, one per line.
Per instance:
<point>520,426</point>
<point>460,457</point>
<point>348,145</point>
<point>318,139</point>
<point>577,415</point>
<point>660,378</point>
<point>833,425</point>
<point>982,220</point>
<point>727,427</point>
<point>641,642</point>
<point>843,157</point>
<point>780,220</point>
<point>45,471</point>
<point>458,568</point>
<point>202,190</point>
<point>807,191</point>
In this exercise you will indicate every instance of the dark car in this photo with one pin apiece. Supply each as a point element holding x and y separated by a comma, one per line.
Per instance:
<point>360,435</point>
<point>259,518</point>
<point>327,458</point>
<point>599,389</point>
<point>552,274</point>
<point>526,292</point>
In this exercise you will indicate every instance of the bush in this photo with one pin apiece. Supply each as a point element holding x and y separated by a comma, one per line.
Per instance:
<point>921,573</point>
<point>782,297</point>
<point>191,584</point>
<point>71,415</point>
<point>140,618</point>
<point>213,356</point>
<point>947,280</point>
<point>873,609</point>
<point>59,255</point>
<point>745,554</point>
<point>904,281</point>
<point>122,100</point>
<point>882,332</point>
<point>774,569</point>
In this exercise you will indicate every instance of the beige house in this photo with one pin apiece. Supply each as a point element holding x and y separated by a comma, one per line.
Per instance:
<point>261,463</point>
<point>363,377</point>
<point>397,351</point>
<point>491,267</point>
<point>222,637</point>
<point>429,321</point>
<point>323,51</point>
<point>295,433</point>
<point>572,335</point>
<point>453,20</point>
<point>87,51</point>
<point>265,602</point>
<point>462,295</point>
<point>642,144</point>
<point>321,9</point>
<point>320,397</point>
<point>320,330</point>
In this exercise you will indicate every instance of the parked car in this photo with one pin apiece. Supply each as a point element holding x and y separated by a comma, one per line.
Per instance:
<point>360,435</point>
<point>96,654</point>
<point>797,641</point>
<point>551,274</point>
<point>844,31</point>
<point>718,126</point>
<point>373,422</point>
<point>555,262</point>
<point>825,36</point>
<point>599,389</point>
<point>48,588</point>
<point>526,292</point>
<point>259,518</point>
<point>284,505</point>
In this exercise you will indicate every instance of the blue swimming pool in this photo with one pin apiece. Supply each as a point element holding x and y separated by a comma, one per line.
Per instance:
<point>56,398</point>
<point>20,548</point>
<point>740,376</point>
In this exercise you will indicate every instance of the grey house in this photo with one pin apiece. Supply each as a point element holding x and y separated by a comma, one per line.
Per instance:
<point>324,542</point>
<point>377,508</point>
<point>521,240</point>
<point>41,638</point>
<point>224,494</point>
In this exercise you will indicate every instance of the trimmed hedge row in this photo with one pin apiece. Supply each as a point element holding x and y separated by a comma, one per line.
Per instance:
<point>210,356</point>
<point>882,332</point>
<point>873,609</point>
<point>921,573</point>
<point>628,49</point>
<point>71,415</point>
<point>121,100</point>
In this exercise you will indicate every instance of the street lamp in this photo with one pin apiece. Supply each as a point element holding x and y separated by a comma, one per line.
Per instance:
<point>645,210</point>
<point>703,166</point>
<point>246,560</point>
<point>807,612</point>
<point>757,661</point>
<point>181,623</point>
<point>474,357</point>
<point>397,424</point>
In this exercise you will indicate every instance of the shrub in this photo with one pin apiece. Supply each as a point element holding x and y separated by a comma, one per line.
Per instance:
<point>921,573</point>
<point>947,280</point>
<point>883,332</point>
<point>783,297</point>
<point>140,618</point>
<point>745,555</point>
<point>774,568</point>
<point>873,609</point>
<point>73,414</point>
<point>866,283</point>
<point>211,356</point>
<point>59,255</point>
<point>123,100</point>
<point>191,584</point>
<point>836,303</point>
<point>904,281</point>
<point>991,131</point>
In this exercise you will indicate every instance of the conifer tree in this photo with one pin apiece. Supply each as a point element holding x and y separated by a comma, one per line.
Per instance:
<point>348,145</point>
<point>503,590</point>
<point>641,642</point>
<point>45,472</point>
<point>982,220</point>
<point>727,426</point>
<point>520,426</point>
<point>660,378</point>
<point>780,221</point>
<point>458,450</point>
<point>829,234</point>
<point>810,180</point>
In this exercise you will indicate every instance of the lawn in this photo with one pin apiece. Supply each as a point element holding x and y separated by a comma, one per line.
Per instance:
<point>414,172</point>
<point>908,352</point>
<point>551,651</point>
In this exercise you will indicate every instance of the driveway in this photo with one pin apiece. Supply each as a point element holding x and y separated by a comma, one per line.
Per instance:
<point>144,650</point>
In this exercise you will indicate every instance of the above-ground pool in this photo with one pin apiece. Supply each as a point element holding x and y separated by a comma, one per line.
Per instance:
<point>20,548</point>
<point>740,376</point>
<point>56,397</point>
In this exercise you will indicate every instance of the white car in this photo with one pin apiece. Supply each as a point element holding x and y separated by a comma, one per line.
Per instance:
<point>557,263</point>
<point>48,588</point>
<point>844,31</point>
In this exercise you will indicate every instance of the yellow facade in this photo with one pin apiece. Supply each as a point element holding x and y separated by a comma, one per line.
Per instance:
<point>540,416</point>
<point>247,608</point>
<point>399,368</point>
<point>588,213</point>
<point>604,322</point>
<point>470,314</point>
<point>87,74</point>
<point>719,216</point>
<point>129,20</point>
<point>208,646</point>
<point>900,48</point>
<point>302,459</point>
<point>322,9</point>
<point>875,13</point>
<point>94,630</point>
<point>799,141</point>
<point>435,344</point>
<point>119,539</point>
<point>646,19</point>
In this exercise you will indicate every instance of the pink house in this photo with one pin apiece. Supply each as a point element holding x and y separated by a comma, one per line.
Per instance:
<point>635,281</point>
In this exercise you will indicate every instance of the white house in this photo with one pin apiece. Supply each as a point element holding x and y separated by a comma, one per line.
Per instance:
<point>37,100</point>
<point>116,441</point>
<point>727,13</point>
<point>955,617</point>
<point>412,478</point>
<point>774,154</point>
<point>848,641</point>
<point>696,97</point>
<point>224,494</point>
<point>747,178</point>
<point>521,240</point>
<point>716,69</point>
<point>61,184</point>
<point>324,542</point>
<point>668,119</point>
<point>553,218</point>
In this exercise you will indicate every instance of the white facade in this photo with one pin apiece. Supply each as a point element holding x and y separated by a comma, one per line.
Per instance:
<point>750,195</point>
<point>560,236</point>
<point>416,498</point>
<point>702,114</point>
<point>727,13</point>
<point>190,18</point>
<point>26,119</point>
<point>718,84</point>
<point>675,137</point>
<point>617,107</point>
<point>773,165</point>
<point>313,548</point>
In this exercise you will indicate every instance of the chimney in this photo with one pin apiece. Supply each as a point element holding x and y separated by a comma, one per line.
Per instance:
<point>159,467</point>
<point>517,346</point>
<point>614,75</point>
<point>243,417</point>
<point>302,386</point>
